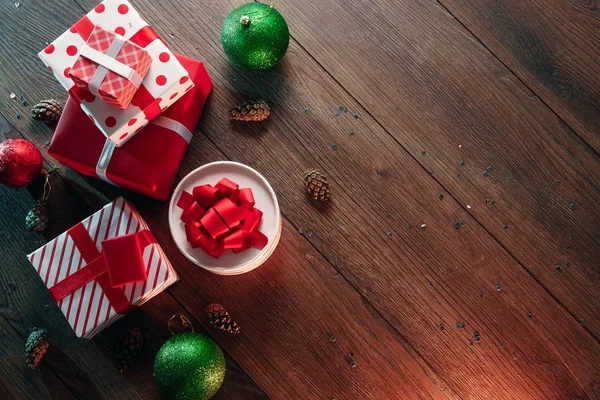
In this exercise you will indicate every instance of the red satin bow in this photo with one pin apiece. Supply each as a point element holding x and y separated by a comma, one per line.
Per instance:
<point>221,217</point>
<point>98,265</point>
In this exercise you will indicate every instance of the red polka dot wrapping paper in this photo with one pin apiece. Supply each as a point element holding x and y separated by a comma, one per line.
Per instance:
<point>88,309</point>
<point>114,89</point>
<point>165,83</point>
<point>148,164</point>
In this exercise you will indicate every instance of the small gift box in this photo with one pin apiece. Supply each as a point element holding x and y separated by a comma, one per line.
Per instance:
<point>165,83</point>
<point>103,267</point>
<point>110,67</point>
<point>149,162</point>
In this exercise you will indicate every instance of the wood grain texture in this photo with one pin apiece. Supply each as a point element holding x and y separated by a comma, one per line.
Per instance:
<point>553,46</point>
<point>457,110</point>
<point>382,296</point>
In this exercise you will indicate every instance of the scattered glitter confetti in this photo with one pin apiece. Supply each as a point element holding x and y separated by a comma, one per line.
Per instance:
<point>337,220</point>
<point>477,337</point>
<point>486,171</point>
<point>558,182</point>
<point>470,342</point>
<point>410,227</point>
<point>442,327</point>
<point>442,196</point>
<point>389,216</point>
<point>341,109</point>
<point>529,315</point>
<point>356,115</point>
<point>306,110</point>
<point>460,325</point>
<point>572,206</point>
<point>12,95</point>
<point>505,227</point>
<point>332,339</point>
<point>490,202</point>
<point>17,4</point>
<point>309,234</point>
<point>389,235</point>
<point>430,284</point>
<point>461,163</point>
<point>24,102</point>
<point>469,206</point>
<point>481,295</point>
<point>46,144</point>
<point>423,152</point>
<point>458,224</point>
<point>334,147</point>
<point>460,146</point>
<point>499,287</point>
<point>351,134</point>
<point>501,345</point>
<point>18,116</point>
<point>558,268</point>
<point>568,265</point>
<point>353,364</point>
<point>458,175</point>
<point>351,354</point>
<point>423,226</point>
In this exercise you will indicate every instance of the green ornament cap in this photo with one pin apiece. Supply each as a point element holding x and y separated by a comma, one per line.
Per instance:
<point>255,36</point>
<point>189,366</point>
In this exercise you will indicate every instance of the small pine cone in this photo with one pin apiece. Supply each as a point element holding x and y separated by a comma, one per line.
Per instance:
<point>253,110</point>
<point>36,346</point>
<point>218,317</point>
<point>131,346</point>
<point>316,184</point>
<point>47,111</point>
<point>37,218</point>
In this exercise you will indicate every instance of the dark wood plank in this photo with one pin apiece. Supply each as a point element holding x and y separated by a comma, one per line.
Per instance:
<point>445,98</point>
<point>373,179</point>
<point>371,263</point>
<point>553,46</point>
<point>392,363</point>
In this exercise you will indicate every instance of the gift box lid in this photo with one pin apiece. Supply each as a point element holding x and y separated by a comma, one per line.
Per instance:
<point>148,164</point>
<point>165,83</point>
<point>88,309</point>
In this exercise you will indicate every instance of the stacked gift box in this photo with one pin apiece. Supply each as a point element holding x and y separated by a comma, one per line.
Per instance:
<point>132,108</point>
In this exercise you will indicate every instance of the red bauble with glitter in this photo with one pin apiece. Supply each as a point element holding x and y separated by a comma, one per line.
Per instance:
<point>20,163</point>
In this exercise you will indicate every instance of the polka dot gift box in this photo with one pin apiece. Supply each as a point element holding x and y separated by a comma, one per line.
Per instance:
<point>166,81</point>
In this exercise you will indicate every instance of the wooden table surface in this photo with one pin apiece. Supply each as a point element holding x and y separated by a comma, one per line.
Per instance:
<point>449,106</point>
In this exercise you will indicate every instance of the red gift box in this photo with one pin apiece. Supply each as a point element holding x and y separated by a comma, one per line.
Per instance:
<point>110,67</point>
<point>147,163</point>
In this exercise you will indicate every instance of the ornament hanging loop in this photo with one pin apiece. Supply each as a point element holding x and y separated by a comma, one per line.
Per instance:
<point>47,185</point>
<point>183,320</point>
<point>246,19</point>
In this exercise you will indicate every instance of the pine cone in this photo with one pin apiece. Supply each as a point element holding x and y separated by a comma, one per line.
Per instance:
<point>47,111</point>
<point>253,110</point>
<point>37,218</point>
<point>36,346</point>
<point>131,346</point>
<point>218,317</point>
<point>316,184</point>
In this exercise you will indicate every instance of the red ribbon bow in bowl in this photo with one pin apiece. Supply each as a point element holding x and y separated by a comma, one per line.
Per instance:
<point>221,217</point>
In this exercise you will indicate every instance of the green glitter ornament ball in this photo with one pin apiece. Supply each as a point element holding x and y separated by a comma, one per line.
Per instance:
<point>255,36</point>
<point>189,366</point>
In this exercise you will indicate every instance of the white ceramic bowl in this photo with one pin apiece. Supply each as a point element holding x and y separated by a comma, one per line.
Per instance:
<point>229,263</point>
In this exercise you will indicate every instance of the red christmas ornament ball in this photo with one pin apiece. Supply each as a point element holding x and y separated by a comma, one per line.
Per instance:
<point>20,163</point>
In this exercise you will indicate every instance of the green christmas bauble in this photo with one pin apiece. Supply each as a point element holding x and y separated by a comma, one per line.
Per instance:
<point>255,36</point>
<point>189,366</point>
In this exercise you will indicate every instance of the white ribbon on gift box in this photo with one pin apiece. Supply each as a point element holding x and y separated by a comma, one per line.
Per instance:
<point>107,62</point>
<point>109,146</point>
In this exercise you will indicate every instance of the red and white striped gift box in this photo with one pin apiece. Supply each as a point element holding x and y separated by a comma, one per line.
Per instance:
<point>88,309</point>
